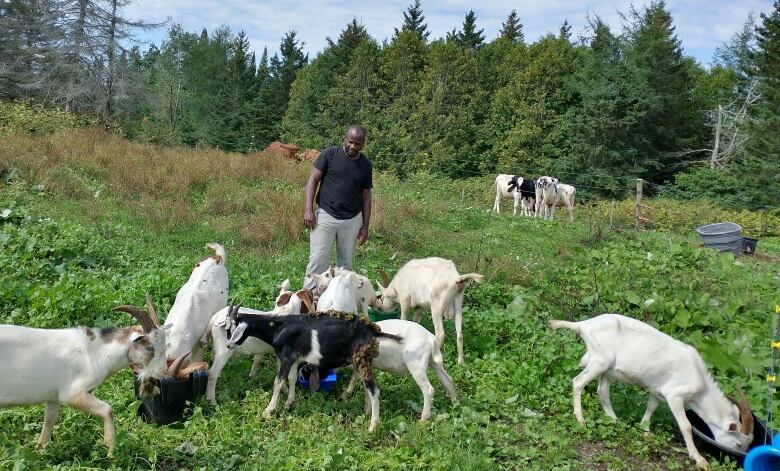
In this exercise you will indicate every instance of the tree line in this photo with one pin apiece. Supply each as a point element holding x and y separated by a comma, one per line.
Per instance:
<point>593,110</point>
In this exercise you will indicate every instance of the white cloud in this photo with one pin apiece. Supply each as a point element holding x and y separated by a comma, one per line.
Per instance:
<point>700,25</point>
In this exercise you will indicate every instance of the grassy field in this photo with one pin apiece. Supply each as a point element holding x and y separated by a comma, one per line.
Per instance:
<point>88,221</point>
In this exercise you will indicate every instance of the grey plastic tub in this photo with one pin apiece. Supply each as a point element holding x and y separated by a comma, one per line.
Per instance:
<point>722,236</point>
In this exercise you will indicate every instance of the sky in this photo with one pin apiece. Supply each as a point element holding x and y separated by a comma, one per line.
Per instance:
<point>702,25</point>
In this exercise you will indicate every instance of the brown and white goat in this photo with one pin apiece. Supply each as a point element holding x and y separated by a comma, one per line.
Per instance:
<point>65,366</point>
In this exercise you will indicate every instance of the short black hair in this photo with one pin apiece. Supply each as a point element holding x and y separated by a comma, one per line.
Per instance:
<point>356,127</point>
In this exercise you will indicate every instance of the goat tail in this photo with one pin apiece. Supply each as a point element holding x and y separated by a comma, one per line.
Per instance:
<point>555,325</point>
<point>464,280</point>
<point>397,338</point>
<point>219,251</point>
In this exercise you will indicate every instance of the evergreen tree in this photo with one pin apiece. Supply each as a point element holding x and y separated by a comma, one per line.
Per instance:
<point>604,135</point>
<point>414,21</point>
<point>236,90</point>
<point>736,55</point>
<point>401,70</point>
<point>565,30</point>
<point>304,121</point>
<point>672,126</point>
<point>293,59</point>
<point>469,37</point>
<point>512,30</point>
<point>762,168</point>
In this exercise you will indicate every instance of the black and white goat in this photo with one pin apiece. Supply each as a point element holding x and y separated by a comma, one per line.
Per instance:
<point>322,340</point>
<point>64,366</point>
<point>287,302</point>
<point>624,349</point>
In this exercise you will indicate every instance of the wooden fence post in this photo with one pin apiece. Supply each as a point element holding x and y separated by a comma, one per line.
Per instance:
<point>639,188</point>
<point>612,213</point>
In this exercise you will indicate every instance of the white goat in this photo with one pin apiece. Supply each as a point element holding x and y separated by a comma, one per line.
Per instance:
<point>287,302</point>
<point>412,355</point>
<point>624,349</point>
<point>340,295</point>
<point>430,283</point>
<point>503,191</point>
<point>551,195</point>
<point>204,294</point>
<point>365,295</point>
<point>64,366</point>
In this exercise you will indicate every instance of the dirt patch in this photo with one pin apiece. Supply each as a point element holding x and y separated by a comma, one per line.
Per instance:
<point>592,458</point>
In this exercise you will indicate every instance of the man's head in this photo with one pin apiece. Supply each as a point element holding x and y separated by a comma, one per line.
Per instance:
<point>354,140</point>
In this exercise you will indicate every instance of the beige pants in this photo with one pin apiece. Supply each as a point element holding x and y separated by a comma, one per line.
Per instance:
<point>329,229</point>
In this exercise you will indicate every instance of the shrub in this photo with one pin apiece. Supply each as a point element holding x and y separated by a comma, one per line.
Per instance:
<point>35,118</point>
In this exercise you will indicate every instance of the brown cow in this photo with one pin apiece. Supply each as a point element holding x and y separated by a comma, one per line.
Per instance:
<point>287,151</point>
<point>309,155</point>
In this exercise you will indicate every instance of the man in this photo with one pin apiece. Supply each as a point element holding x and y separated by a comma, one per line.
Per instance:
<point>342,179</point>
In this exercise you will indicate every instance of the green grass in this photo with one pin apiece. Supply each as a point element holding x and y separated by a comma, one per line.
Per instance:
<point>67,261</point>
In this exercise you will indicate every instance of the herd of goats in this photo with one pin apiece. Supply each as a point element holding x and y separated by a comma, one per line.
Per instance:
<point>328,328</point>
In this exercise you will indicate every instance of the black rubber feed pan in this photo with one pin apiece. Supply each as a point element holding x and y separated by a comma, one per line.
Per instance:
<point>169,406</point>
<point>703,439</point>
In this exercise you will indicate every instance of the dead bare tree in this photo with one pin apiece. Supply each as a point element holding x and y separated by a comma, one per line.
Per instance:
<point>729,124</point>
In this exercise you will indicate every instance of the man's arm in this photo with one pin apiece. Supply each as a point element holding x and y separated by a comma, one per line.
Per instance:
<point>363,234</point>
<point>311,189</point>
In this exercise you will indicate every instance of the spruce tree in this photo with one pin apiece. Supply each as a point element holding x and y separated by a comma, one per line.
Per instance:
<point>293,59</point>
<point>512,30</point>
<point>673,126</point>
<point>469,37</point>
<point>762,169</point>
<point>414,21</point>
<point>565,30</point>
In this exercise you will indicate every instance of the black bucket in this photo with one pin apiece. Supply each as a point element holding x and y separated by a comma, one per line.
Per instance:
<point>705,443</point>
<point>170,405</point>
<point>749,245</point>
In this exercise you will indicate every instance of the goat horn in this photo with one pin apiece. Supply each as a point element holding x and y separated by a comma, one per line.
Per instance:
<point>385,280</point>
<point>150,309</point>
<point>173,370</point>
<point>233,310</point>
<point>745,416</point>
<point>142,316</point>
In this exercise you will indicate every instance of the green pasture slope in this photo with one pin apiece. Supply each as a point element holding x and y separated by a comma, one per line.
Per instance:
<point>66,261</point>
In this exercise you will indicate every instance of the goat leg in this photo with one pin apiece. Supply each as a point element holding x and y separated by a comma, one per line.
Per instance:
<point>49,419</point>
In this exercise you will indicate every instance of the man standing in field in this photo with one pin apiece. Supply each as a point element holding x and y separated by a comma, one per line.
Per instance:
<point>344,177</point>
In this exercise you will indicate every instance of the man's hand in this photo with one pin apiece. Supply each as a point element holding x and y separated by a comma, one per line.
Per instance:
<point>308,219</point>
<point>362,235</point>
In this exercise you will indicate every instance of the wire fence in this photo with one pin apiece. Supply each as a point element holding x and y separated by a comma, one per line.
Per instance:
<point>624,210</point>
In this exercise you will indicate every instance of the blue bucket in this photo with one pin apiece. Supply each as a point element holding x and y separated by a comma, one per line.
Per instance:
<point>764,458</point>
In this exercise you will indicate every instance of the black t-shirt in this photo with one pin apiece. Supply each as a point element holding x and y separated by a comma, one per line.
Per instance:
<point>343,182</point>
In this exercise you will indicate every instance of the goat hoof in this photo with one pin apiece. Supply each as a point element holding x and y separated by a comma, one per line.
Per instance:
<point>267,414</point>
<point>701,463</point>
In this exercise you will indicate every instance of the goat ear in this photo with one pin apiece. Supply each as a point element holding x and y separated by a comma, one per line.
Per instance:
<point>137,336</point>
<point>284,299</point>
<point>285,286</point>
<point>733,427</point>
<point>166,326</point>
